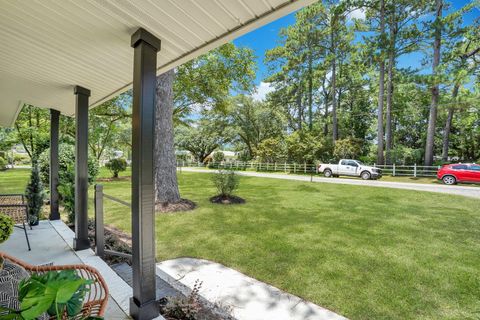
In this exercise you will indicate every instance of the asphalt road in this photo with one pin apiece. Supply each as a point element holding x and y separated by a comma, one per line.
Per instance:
<point>466,191</point>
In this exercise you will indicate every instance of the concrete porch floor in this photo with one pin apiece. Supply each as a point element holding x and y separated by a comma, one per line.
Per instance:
<point>51,242</point>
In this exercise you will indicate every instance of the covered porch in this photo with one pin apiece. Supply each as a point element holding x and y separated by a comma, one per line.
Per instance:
<point>69,57</point>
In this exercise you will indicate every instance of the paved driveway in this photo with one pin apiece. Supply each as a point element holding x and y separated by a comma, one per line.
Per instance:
<point>457,190</point>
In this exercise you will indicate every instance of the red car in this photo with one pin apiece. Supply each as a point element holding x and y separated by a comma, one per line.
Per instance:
<point>460,172</point>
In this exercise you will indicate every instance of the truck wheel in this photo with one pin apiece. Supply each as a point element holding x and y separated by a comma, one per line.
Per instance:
<point>327,173</point>
<point>365,175</point>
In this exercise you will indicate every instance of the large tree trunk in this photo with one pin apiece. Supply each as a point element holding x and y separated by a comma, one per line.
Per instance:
<point>381,90</point>
<point>166,185</point>
<point>300,109</point>
<point>334,78</point>
<point>432,118</point>
<point>334,101</point>
<point>391,67</point>
<point>448,124</point>
<point>310,93</point>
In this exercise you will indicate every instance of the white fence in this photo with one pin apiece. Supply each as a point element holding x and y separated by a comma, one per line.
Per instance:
<point>309,168</point>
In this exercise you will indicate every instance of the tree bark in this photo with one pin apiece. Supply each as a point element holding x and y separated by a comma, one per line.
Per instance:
<point>334,79</point>
<point>300,110</point>
<point>310,93</point>
<point>448,124</point>
<point>166,185</point>
<point>432,118</point>
<point>391,67</point>
<point>334,102</point>
<point>381,89</point>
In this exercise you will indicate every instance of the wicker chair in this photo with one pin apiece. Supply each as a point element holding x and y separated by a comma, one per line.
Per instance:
<point>95,301</point>
<point>19,215</point>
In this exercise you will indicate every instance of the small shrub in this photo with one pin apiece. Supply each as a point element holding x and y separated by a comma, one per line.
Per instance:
<point>3,164</point>
<point>35,195</point>
<point>66,171</point>
<point>116,165</point>
<point>184,308</point>
<point>66,159</point>
<point>226,182</point>
<point>218,156</point>
<point>6,227</point>
<point>66,190</point>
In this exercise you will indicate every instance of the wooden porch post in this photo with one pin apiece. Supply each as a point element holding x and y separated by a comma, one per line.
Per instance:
<point>81,241</point>
<point>143,304</point>
<point>54,124</point>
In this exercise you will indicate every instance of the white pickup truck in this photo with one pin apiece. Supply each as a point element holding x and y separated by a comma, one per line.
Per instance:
<point>349,167</point>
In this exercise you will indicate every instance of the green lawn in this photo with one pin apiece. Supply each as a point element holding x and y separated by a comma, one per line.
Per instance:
<point>366,253</point>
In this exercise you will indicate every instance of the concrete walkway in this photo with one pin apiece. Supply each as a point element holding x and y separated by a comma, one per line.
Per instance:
<point>244,297</point>
<point>466,191</point>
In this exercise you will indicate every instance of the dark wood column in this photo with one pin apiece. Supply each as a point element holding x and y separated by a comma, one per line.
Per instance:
<point>143,304</point>
<point>54,124</point>
<point>81,241</point>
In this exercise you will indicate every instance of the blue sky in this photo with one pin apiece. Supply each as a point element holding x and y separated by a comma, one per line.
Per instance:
<point>266,37</point>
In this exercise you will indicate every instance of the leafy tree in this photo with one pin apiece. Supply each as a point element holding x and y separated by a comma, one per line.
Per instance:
<point>207,81</point>
<point>271,150</point>
<point>116,166</point>
<point>218,156</point>
<point>202,138</point>
<point>404,37</point>
<point>105,124</point>
<point>203,83</point>
<point>349,148</point>
<point>461,64</point>
<point>33,130</point>
<point>303,146</point>
<point>66,183</point>
<point>7,139</point>
<point>253,122</point>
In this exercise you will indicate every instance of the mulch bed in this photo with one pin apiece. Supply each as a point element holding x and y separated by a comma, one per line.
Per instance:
<point>182,205</point>
<point>220,199</point>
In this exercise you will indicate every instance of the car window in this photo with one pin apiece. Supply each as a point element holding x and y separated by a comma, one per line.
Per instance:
<point>475,167</point>
<point>344,162</point>
<point>352,163</point>
<point>460,167</point>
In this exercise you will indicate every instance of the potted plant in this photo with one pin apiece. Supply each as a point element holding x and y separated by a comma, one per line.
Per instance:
<point>54,294</point>
<point>6,227</point>
<point>35,196</point>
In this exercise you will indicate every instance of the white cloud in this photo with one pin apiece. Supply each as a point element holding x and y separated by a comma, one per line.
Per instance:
<point>357,14</point>
<point>262,90</point>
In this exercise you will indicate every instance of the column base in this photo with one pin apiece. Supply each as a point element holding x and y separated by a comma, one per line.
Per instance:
<point>81,244</point>
<point>54,216</point>
<point>146,311</point>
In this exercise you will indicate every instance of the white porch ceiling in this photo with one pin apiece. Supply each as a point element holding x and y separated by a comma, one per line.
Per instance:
<point>49,46</point>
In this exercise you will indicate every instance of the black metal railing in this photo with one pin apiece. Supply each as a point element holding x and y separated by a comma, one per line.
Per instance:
<point>100,227</point>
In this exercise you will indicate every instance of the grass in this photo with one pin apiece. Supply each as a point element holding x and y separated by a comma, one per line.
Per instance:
<point>366,253</point>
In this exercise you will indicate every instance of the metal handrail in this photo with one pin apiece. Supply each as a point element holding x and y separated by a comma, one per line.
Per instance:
<point>99,224</point>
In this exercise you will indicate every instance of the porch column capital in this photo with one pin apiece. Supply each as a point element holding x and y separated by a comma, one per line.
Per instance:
<point>142,35</point>
<point>81,90</point>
